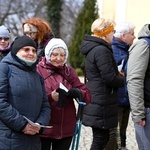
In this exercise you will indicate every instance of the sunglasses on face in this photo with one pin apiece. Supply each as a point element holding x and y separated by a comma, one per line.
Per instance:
<point>4,38</point>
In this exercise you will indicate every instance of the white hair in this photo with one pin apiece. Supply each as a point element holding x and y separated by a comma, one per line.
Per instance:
<point>123,28</point>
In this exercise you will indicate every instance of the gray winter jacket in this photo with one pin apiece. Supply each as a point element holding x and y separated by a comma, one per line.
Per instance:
<point>138,64</point>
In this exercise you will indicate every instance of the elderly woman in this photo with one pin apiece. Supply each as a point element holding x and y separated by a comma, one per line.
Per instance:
<point>22,94</point>
<point>54,70</point>
<point>103,80</point>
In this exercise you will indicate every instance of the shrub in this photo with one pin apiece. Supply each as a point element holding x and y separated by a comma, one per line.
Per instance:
<point>79,71</point>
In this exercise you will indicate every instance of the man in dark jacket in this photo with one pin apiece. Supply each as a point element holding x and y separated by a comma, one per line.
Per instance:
<point>122,40</point>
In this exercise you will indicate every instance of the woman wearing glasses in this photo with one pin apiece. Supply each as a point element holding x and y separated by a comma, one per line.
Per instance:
<point>22,96</point>
<point>38,30</point>
<point>4,41</point>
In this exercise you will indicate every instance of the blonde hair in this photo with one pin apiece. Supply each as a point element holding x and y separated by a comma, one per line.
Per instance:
<point>101,27</point>
<point>43,27</point>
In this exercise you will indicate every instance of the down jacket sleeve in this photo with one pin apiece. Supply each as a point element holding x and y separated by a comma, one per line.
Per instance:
<point>8,114</point>
<point>108,68</point>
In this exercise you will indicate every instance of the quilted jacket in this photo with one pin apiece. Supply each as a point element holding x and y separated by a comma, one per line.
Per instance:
<point>103,82</point>
<point>22,93</point>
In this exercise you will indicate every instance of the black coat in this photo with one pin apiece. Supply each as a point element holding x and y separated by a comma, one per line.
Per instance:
<point>3,53</point>
<point>103,82</point>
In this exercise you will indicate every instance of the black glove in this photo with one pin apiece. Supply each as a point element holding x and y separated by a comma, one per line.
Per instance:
<point>75,93</point>
<point>62,100</point>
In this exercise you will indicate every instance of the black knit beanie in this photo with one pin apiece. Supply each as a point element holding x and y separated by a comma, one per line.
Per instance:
<point>20,42</point>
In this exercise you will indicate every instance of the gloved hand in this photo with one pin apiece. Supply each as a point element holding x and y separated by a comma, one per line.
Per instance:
<point>75,93</point>
<point>62,100</point>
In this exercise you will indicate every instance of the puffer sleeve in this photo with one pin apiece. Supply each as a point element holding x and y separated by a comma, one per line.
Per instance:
<point>107,67</point>
<point>9,116</point>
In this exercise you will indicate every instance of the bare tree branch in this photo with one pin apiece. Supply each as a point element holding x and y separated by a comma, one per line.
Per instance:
<point>14,12</point>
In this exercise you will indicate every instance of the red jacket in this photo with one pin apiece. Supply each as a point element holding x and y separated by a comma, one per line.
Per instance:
<point>62,119</point>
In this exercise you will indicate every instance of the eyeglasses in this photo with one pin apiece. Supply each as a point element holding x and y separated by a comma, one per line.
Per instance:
<point>30,33</point>
<point>27,50</point>
<point>4,38</point>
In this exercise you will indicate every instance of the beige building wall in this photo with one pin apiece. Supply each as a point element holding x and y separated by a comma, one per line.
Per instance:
<point>107,10</point>
<point>134,11</point>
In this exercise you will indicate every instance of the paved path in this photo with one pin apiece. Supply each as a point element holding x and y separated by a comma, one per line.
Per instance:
<point>86,136</point>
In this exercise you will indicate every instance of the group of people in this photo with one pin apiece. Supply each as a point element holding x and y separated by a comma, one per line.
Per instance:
<point>34,66</point>
<point>36,112</point>
<point>117,72</point>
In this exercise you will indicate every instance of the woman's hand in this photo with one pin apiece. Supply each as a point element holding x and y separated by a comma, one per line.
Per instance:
<point>55,95</point>
<point>121,73</point>
<point>31,130</point>
<point>141,123</point>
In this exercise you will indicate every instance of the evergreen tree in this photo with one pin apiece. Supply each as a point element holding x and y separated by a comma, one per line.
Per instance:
<point>83,24</point>
<point>54,16</point>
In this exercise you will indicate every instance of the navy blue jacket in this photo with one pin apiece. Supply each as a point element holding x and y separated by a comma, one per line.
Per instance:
<point>120,51</point>
<point>22,93</point>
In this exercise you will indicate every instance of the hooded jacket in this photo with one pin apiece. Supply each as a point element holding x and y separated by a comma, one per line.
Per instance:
<point>138,75</point>
<point>62,118</point>
<point>22,93</point>
<point>120,51</point>
<point>103,82</point>
<point>4,52</point>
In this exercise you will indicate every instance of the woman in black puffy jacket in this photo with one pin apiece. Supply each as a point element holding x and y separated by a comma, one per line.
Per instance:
<point>103,80</point>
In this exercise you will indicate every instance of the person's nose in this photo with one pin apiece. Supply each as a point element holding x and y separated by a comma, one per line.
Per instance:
<point>28,35</point>
<point>58,57</point>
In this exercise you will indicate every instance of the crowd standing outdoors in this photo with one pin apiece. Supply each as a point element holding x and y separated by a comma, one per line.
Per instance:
<point>34,69</point>
<point>123,39</point>
<point>22,93</point>
<point>138,83</point>
<point>4,41</point>
<point>54,69</point>
<point>103,80</point>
